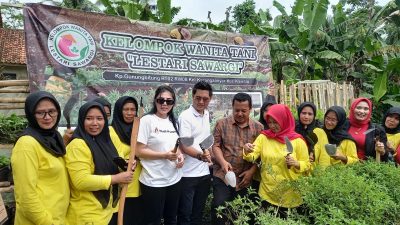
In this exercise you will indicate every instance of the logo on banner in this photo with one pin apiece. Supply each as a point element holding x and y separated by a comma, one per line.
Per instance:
<point>71,45</point>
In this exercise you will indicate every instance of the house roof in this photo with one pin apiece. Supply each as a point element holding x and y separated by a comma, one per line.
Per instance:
<point>12,46</point>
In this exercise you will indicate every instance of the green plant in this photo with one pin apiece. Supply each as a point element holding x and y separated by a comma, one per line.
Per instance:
<point>239,210</point>
<point>11,127</point>
<point>346,195</point>
<point>4,161</point>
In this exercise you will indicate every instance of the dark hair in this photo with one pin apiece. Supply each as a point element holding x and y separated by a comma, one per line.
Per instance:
<point>202,85</point>
<point>161,89</point>
<point>263,108</point>
<point>242,97</point>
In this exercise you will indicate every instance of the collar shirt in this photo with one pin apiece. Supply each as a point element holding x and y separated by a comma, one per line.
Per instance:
<point>230,138</point>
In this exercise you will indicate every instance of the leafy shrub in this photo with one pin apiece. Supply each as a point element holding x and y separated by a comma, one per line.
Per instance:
<point>11,127</point>
<point>340,195</point>
<point>363,193</point>
<point>4,161</point>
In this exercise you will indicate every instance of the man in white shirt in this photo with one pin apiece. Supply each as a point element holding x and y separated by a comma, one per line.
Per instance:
<point>196,181</point>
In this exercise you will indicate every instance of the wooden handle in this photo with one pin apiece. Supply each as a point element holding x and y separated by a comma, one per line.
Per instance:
<point>176,146</point>
<point>378,157</point>
<point>134,135</point>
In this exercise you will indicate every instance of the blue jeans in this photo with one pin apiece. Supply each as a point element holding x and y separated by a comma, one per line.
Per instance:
<point>193,198</point>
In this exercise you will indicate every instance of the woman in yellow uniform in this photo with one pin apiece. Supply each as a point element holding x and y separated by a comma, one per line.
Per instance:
<point>94,176</point>
<point>40,178</point>
<point>391,123</point>
<point>346,151</point>
<point>278,165</point>
<point>125,110</point>
<point>308,126</point>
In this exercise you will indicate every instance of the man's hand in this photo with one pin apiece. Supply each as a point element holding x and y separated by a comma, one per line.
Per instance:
<point>246,176</point>
<point>226,167</point>
<point>180,161</point>
<point>206,157</point>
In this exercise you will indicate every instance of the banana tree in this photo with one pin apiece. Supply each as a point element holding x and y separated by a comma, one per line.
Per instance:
<point>141,10</point>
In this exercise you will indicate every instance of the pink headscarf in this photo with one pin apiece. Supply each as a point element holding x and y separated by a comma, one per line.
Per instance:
<point>281,113</point>
<point>357,123</point>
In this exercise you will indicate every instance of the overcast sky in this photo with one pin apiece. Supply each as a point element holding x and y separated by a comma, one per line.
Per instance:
<point>198,9</point>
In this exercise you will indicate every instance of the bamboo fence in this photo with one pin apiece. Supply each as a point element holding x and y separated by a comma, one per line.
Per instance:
<point>322,93</point>
<point>11,88</point>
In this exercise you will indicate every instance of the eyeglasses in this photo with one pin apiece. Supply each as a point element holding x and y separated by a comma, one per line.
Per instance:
<point>42,115</point>
<point>332,120</point>
<point>163,100</point>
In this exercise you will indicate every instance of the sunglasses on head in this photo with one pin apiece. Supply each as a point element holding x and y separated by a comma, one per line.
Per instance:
<point>163,100</point>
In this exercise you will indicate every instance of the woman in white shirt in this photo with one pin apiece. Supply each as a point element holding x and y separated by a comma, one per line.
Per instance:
<point>161,173</point>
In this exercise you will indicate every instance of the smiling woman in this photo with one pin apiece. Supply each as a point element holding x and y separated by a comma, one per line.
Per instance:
<point>369,144</point>
<point>94,176</point>
<point>40,177</point>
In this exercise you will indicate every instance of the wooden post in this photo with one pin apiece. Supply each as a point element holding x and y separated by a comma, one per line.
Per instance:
<point>337,94</point>
<point>12,106</point>
<point>12,100</point>
<point>281,88</point>
<point>7,83</point>
<point>15,90</point>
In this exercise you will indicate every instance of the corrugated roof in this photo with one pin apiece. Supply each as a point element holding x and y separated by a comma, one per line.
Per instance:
<point>12,46</point>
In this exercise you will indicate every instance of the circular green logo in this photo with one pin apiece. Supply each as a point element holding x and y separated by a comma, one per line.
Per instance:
<point>71,45</point>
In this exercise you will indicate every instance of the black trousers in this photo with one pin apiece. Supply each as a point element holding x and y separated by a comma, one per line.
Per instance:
<point>193,198</point>
<point>160,203</point>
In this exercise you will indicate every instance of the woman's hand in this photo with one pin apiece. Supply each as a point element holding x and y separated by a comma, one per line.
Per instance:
<point>380,147</point>
<point>122,178</point>
<point>311,157</point>
<point>339,156</point>
<point>171,155</point>
<point>248,148</point>
<point>290,161</point>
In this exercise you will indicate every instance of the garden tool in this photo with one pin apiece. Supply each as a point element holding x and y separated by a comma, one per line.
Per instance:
<point>207,143</point>
<point>289,147</point>
<point>330,149</point>
<point>186,141</point>
<point>230,178</point>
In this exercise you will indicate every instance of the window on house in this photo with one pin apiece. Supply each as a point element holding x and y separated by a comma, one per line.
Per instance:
<point>8,76</point>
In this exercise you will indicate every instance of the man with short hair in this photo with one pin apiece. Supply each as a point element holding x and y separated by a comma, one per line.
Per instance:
<point>230,135</point>
<point>196,181</point>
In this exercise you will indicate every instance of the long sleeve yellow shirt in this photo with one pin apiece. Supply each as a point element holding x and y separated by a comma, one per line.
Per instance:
<point>40,184</point>
<point>124,150</point>
<point>346,147</point>
<point>274,169</point>
<point>84,207</point>
<point>394,140</point>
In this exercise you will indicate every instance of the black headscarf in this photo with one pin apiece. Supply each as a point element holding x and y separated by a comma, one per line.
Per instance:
<point>268,102</point>
<point>393,110</point>
<point>102,149</point>
<point>339,133</point>
<point>103,102</point>
<point>50,139</point>
<point>306,132</point>
<point>122,128</point>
